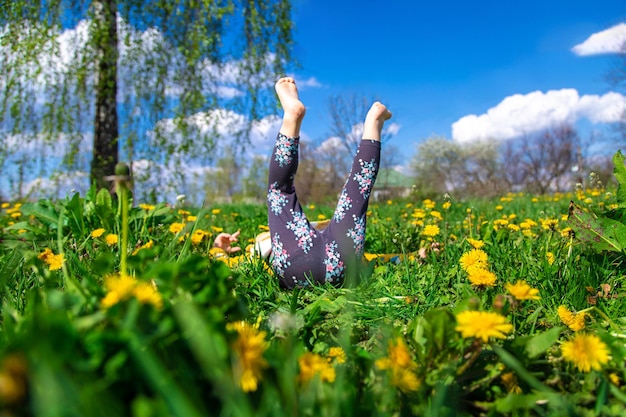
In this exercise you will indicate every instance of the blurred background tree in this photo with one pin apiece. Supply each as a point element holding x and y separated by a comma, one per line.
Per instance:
<point>107,69</point>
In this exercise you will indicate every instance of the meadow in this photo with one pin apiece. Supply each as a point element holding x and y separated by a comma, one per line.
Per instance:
<point>510,306</point>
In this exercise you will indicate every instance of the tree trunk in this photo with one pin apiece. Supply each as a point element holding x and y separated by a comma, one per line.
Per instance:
<point>105,138</point>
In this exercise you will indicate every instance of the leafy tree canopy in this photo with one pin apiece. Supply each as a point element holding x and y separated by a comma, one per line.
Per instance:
<point>183,70</point>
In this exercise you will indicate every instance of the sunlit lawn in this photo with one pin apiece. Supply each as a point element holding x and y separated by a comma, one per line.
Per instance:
<point>489,307</point>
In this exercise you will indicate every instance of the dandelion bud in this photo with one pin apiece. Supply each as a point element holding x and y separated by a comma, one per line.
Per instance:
<point>473,303</point>
<point>122,169</point>
<point>500,304</point>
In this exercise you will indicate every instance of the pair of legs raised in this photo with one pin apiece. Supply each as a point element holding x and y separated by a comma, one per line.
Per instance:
<point>300,252</point>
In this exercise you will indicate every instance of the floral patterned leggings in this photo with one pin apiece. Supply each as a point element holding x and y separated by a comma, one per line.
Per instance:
<point>300,253</point>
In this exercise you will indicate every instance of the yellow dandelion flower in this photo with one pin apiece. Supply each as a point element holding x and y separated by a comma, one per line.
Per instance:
<point>97,233</point>
<point>429,204</point>
<point>217,229</point>
<point>431,230</point>
<point>400,366</point>
<point>337,353</point>
<point>47,252</point>
<point>123,287</point>
<point>176,227</point>
<point>475,258</point>
<point>146,245</point>
<point>575,321</point>
<point>110,239</point>
<point>549,224</point>
<point>312,364</point>
<point>147,293</point>
<point>198,236</point>
<point>216,211</point>
<point>476,244</point>
<point>192,218</point>
<point>437,215</point>
<point>218,253</point>
<point>528,223</point>
<point>482,325</point>
<point>248,349</point>
<point>509,380</point>
<point>5,205</point>
<point>513,227</point>
<point>550,258</point>
<point>54,262</point>
<point>418,213</point>
<point>614,378</point>
<point>446,205</point>
<point>183,212</point>
<point>481,277</point>
<point>522,291</point>
<point>499,208</point>
<point>586,352</point>
<point>119,288</point>
<point>147,207</point>
<point>234,261</point>
<point>264,227</point>
<point>500,223</point>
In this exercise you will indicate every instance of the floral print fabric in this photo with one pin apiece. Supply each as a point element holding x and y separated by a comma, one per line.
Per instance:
<point>300,253</point>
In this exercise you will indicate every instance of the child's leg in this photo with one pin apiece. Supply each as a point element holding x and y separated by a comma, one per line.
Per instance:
<point>290,230</point>
<point>347,228</point>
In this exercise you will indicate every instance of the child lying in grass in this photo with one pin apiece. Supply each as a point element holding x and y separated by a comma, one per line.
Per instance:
<point>223,248</point>
<point>300,252</point>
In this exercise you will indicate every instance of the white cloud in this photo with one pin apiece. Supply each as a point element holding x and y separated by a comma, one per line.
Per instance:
<point>392,129</point>
<point>311,82</point>
<point>62,185</point>
<point>330,146</point>
<point>609,41</point>
<point>521,114</point>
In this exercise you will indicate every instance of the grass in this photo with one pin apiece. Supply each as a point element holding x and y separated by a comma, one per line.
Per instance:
<point>173,346</point>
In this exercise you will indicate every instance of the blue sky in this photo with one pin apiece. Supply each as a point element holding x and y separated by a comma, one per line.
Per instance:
<point>434,63</point>
<point>462,70</point>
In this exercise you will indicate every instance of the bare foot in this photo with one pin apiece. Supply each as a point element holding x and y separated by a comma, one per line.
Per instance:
<point>293,108</point>
<point>374,121</point>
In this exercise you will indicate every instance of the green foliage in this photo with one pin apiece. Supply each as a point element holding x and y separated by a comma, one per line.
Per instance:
<point>166,61</point>
<point>68,346</point>
<point>620,175</point>
<point>604,231</point>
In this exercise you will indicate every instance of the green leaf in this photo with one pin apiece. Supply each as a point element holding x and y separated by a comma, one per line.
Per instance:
<point>601,233</point>
<point>104,207</point>
<point>511,361</point>
<point>435,330</point>
<point>620,175</point>
<point>539,343</point>
<point>44,213</point>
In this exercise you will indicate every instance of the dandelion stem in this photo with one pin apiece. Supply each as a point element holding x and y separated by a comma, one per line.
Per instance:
<point>123,196</point>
